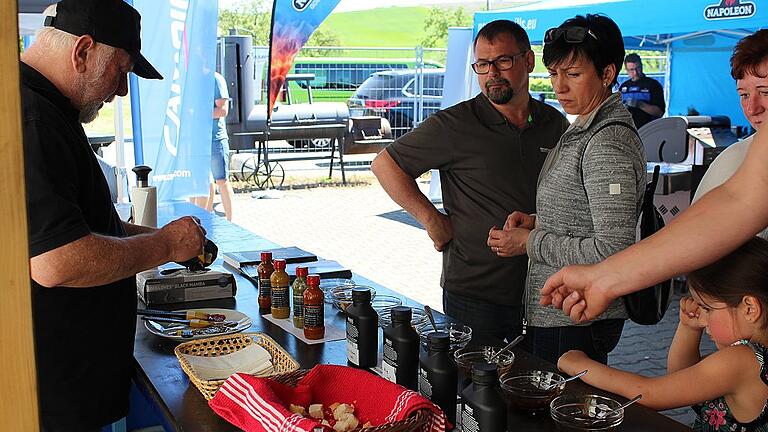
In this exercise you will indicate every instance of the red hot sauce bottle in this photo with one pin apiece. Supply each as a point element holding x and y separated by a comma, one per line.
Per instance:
<point>314,317</point>
<point>265,270</point>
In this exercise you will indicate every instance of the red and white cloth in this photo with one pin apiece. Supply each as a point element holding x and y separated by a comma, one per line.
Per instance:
<point>261,404</point>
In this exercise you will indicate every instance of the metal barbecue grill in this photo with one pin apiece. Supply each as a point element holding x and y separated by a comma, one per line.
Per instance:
<point>247,122</point>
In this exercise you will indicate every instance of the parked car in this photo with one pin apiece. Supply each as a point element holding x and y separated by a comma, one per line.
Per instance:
<point>394,95</point>
<point>336,78</point>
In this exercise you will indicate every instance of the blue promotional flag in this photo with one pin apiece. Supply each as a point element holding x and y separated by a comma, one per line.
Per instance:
<point>293,22</point>
<point>179,39</point>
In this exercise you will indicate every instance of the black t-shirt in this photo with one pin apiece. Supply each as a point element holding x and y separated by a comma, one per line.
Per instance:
<point>647,90</point>
<point>488,169</point>
<point>83,336</point>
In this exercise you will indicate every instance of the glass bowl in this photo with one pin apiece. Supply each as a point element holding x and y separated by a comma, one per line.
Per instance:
<point>341,296</point>
<point>327,284</point>
<point>385,302</point>
<point>467,357</point>
<point>418,317</point>
<point>531,390</point>
<point>580,412</point>
<point>459,333</point>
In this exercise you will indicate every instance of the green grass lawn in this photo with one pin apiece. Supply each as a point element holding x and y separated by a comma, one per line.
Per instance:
<point>381,27</point>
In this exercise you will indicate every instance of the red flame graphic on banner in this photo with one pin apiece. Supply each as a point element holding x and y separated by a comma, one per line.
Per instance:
<point>730,2</point>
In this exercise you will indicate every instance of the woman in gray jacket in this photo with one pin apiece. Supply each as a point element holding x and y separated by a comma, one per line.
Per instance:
<point>590,187</point>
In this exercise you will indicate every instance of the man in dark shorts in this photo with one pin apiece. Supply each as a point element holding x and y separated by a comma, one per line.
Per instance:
<point>489,151</point>
<point>83,258</point>
<point>643,96</point>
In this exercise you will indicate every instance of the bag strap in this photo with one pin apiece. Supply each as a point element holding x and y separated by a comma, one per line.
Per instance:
<point>606,125</point>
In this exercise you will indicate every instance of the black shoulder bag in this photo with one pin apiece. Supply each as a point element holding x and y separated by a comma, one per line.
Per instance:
<point>647,306</point>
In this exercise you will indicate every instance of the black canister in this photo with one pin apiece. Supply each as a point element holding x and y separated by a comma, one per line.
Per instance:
<point>438,374</point>
<point>401,350</point>
<point>362,330</point>
<point>483,408</point>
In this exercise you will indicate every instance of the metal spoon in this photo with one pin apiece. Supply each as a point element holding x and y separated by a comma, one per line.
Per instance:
<point>603,414</point>
<point>428,312</point>
<point>563,381</point>
<point>509,346</point>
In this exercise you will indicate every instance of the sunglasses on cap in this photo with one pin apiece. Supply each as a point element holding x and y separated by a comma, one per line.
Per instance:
<point>572,35</point>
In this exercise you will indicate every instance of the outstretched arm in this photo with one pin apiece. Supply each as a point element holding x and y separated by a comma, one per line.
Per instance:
<point>684,245</point>
<point>712,377</point>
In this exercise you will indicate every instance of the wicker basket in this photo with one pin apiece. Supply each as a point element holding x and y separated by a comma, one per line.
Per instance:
<point>412,424</point>
<point>222,345</point>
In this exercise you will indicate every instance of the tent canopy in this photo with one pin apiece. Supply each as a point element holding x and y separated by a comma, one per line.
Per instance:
<point>698,35</point>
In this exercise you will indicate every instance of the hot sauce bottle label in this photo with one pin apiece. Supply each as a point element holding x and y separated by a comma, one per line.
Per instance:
<point>298,306</point>
<point>389,363</point>
<point>265,288</point>
<point>313,316</point>
<point>353,354</point>
<point>280,297</point>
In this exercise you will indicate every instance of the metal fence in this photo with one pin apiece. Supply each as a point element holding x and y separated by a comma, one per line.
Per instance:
<point>402,85</point>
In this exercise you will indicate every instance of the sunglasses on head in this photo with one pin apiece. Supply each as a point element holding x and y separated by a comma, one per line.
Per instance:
<point>572,35</point>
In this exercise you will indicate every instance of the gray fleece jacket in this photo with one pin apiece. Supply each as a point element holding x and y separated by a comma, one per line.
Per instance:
<point>586,207</point>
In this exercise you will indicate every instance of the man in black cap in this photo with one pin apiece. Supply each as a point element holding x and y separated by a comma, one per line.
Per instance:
<point>83,258</point>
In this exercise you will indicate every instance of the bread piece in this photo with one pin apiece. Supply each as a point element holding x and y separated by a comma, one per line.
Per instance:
<point>352,421</point>
<point>298,409</point>
<point>341,409</point>
<point>316,411</point>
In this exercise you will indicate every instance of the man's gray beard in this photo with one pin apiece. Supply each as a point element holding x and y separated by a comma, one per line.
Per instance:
<point>89,112</point>
<point>500,95</point>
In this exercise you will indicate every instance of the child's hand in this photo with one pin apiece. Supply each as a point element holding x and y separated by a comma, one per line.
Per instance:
<point>690,313</point>
<point>572,362</point>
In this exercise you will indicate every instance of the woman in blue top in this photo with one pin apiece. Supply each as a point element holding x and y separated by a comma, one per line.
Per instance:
<point>728,389</point>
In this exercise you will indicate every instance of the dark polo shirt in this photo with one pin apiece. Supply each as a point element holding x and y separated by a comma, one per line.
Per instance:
<point>83,336</point>
<point>488,169</point>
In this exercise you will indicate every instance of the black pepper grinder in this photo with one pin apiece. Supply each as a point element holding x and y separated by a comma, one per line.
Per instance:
<point>143,199</point>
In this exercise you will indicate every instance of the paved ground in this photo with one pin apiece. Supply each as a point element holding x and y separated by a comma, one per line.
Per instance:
<point>363,229</point>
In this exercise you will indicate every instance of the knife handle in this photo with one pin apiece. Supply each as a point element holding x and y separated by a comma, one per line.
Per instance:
<point>161,313</point>
<point>192,323</point>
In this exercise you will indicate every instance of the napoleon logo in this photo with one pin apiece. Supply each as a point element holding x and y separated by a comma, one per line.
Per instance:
<point>300,5</point>
<point>730,9</point>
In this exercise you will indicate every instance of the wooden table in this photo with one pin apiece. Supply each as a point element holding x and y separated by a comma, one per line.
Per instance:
<point>159,375</point>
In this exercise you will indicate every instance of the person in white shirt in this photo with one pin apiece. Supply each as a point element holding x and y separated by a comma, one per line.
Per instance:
<point>749,67</point>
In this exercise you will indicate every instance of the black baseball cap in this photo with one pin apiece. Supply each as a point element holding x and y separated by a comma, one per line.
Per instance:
<point>111,22</point>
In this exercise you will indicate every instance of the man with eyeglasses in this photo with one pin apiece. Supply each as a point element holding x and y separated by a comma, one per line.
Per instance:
<point>489,151</point>
<point>643,96</point>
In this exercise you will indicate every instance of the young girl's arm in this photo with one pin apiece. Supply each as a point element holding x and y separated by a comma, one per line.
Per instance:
<point>722,373</point>
<point>684,351</point>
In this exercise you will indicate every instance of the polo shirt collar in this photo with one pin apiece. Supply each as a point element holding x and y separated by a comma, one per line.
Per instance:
<point>36,81</point>
<point>494,118</point>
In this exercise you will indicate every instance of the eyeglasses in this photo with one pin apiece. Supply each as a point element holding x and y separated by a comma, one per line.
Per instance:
<point>573,35</point>
<point>502,63</point>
